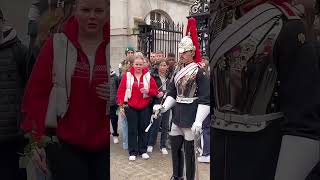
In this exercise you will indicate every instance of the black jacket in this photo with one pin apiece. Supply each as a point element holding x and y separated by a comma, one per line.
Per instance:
<point>299,76</point>
<point>160,86</point>
<point>113,88</point>
<point>14,73</point>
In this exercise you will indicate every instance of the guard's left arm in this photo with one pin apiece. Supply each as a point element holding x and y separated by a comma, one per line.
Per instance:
<point>203,87</point>
<point>203,93</point>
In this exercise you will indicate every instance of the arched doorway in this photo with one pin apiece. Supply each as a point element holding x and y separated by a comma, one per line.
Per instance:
<point>156,17</point>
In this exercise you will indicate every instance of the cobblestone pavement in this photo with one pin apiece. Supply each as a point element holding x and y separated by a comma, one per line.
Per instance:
<point>158,167</point>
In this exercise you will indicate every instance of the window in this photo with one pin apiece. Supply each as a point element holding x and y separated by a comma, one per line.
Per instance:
<point>156,18</point>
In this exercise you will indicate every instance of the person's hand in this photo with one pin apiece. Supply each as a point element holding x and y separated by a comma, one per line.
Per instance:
<point>122,112</point>
<point>144,91</point>
<point>160,94</point>
<point>39,156</point>
<point>157,110</point>
<point>103,91</point>
<point>196,127</point>
<point>157,107</point>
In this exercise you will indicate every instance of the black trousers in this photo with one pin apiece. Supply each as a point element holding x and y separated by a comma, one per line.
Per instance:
<point>68,162</point>
<point>114,120</point>
<point>138,121</point>
<point>245,155</point>
<point>9,160</point>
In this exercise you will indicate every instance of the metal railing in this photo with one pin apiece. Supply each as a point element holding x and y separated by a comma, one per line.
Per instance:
<point>160,36</point>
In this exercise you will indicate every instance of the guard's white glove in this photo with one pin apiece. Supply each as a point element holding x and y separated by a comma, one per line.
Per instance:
<point>168,104</point>
<point>157,110</point>
<point>157,107</point>
<point>202,112</point>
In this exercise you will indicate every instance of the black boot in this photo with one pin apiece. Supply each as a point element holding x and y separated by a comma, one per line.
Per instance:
<point>190,159</point>
<point>176,178</point>
<point>177,157</point>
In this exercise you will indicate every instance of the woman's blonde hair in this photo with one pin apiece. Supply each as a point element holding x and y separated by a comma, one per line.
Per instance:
<point>52,20</point>
<point>138,55</point>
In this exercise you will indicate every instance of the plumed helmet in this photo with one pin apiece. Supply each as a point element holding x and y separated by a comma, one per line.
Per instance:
<point>190,41</point>
<point>186,44</point>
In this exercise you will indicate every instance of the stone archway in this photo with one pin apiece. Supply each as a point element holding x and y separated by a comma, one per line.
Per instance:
<point>157,15</point>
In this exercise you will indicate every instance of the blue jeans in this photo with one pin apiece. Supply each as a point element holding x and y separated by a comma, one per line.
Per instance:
<point>153,134</point>
<point>206,136</point>
<point>125,133</point>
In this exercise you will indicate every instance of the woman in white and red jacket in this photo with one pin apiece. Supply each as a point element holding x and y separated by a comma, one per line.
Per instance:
<point>135,91</point>
<point>83,132</point>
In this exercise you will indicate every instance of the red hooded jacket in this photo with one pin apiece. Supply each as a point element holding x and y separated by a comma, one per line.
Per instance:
<point>136,101</point>
<point>86,122</point>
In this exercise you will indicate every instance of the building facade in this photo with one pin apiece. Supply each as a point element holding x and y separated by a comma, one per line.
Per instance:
<point>126,15</point>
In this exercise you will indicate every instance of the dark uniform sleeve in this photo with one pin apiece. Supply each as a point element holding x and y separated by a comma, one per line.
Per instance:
<point>203,90</point>
<point>299,81</point>
<point>172,91</point>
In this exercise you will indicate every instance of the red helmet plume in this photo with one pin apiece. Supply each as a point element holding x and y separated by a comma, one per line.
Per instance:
<point>192,32</point>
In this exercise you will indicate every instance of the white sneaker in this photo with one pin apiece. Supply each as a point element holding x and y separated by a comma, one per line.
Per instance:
<point>132,158</point>
<point>204,159</point>
<point>145,156</point>
<point>164,151</point>
<point>150,149</point>
<point>115,140</point>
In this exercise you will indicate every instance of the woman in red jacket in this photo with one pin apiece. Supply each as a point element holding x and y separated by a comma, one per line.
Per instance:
<point>134,95</point>
<point>83,130</point>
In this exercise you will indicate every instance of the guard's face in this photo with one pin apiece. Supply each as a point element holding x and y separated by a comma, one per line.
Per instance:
<point>186,57</point>
<point>91,15</point>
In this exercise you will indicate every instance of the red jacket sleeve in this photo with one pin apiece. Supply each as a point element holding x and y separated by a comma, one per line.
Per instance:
<point>153,90</point>
<point>122,89</point>
<point>36,96</point>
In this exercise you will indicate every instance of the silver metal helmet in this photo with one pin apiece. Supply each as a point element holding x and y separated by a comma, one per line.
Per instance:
<point>186,44</point>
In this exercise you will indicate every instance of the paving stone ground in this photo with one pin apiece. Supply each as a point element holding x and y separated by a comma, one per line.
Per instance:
<point>158,167</point>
